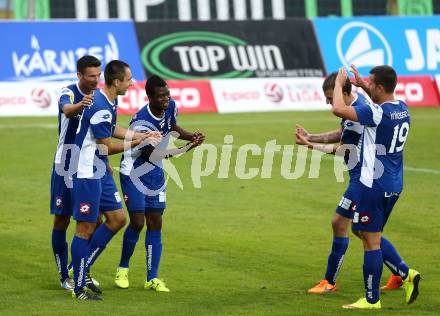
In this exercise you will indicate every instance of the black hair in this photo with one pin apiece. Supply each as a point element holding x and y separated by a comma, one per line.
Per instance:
<point>87,61</point>
<point>114,70</point>
<point>385,76</point>
<point>152,82</point>
<point>329,83</point>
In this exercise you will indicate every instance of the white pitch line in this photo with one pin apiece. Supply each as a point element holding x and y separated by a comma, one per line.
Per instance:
<point>28,126</point>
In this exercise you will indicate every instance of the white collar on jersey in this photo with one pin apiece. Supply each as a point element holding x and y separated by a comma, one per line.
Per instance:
<point>77,86</point>
<point>356,96</point>
<point>155,117</point>
<point>396,102</point>
<point>102,91</point>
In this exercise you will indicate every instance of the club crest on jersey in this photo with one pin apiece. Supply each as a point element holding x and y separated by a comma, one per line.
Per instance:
<point>84,208</point>
<point>59,202</point>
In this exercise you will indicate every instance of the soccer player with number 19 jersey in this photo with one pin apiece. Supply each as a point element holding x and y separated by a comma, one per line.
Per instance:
<point>386,128</point>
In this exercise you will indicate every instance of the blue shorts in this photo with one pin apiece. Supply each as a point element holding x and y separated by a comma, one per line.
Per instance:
<point>60,196</point>
<point>349,201</point>
<point>374,209</point>
<point>90,196</point>
<point>138,202</point>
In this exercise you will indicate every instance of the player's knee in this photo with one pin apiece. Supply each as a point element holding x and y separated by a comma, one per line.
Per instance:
<point>154,221</point>
<point>120,220</point>
<point>85,230</point>
<point>137,224</point>
<point>340,228</point>
<point>61,222</point>
<point>115,220</point>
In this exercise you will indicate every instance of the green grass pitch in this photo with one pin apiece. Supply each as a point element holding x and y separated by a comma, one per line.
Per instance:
<point>231,247</point>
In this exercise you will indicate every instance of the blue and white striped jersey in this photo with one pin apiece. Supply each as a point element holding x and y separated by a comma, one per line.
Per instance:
<point>144,120</point>
<point>97,121</point>
<point>386,130</point>
<point>351,135</point>
<point>67,126</point>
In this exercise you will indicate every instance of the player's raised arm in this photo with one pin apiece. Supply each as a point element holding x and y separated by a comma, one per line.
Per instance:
<point>340,108</point>
<point>358,81</point>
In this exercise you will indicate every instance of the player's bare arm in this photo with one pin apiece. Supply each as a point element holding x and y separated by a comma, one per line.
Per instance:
<point>325,138</point>
<point>152,138</point>
<point>326,148</point>
<point>185,135</point>
<point>70,110</point>
<point>122,133</point>
<point>339,107</point>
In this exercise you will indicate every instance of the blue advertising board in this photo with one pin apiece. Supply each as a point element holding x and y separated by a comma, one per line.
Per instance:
<point>409,44</point>
<point>49,50</point>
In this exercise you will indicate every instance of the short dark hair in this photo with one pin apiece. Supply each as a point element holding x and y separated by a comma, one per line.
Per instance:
<point>329,83</point>
<point>152,82</point>
<point>114,70</point>
<point>385,76</point>
<point>87,61</point>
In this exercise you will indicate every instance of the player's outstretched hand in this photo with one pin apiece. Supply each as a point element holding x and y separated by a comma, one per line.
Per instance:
<point>152,138</point>
<point>341,78</point>
<point>301,130</point>
<point>301,140</point>
<point>197,138</point>
<point>87,100</point>
<point>358,81</point>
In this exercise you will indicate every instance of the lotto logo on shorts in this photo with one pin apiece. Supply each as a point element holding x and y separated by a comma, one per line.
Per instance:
<point>59,202</point>
<point>84,208</point>
<point>364,218</point>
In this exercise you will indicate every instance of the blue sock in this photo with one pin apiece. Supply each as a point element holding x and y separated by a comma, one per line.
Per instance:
<point>131,237</point>
<point>373,266</point>
<point>61,252</point>
<point>99,240</point>
<point>336,257</point>
<point>392,259</point>
<point>153,245</point>
<point>80,252</point>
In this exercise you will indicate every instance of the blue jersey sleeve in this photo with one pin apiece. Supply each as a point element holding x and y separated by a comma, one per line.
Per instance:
<point>67,97</point>
<point>175,112</point>
<point>101,123</point>
<point>368,114</point>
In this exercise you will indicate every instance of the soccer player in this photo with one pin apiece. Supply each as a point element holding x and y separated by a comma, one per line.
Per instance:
<point>349,134</point>
<point>74,98</point>
<point>94,189</point>
<point>146,201</point>
<point>386,128</point>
